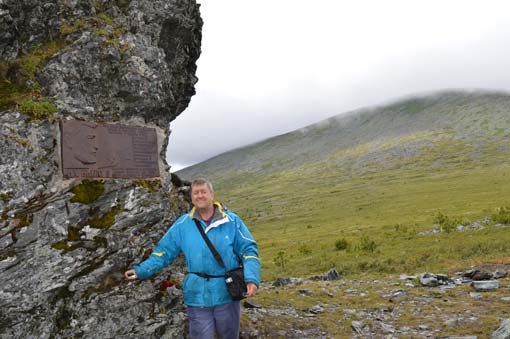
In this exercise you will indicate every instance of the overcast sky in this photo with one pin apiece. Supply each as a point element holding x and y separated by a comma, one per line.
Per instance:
<point>271,66</point>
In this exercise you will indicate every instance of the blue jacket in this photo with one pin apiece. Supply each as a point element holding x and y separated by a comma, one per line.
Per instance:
<point>230,237</point>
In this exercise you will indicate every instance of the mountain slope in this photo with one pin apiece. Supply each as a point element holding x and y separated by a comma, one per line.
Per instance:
<point>401,129</point>
<point>355,191</point>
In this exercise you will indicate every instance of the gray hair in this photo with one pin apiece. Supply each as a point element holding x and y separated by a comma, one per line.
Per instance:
<point>202,181</point>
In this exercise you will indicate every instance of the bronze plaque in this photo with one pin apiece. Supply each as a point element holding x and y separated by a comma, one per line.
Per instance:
<point>94,150</point>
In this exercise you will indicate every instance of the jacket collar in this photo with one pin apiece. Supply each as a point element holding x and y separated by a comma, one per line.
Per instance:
<point>219,217</point>
<point>219,212</point>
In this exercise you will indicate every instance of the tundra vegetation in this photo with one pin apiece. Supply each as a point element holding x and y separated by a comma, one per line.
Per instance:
<point>355,193</point>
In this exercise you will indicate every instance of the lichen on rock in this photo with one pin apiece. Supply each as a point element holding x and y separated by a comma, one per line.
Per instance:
<point>87,191</point>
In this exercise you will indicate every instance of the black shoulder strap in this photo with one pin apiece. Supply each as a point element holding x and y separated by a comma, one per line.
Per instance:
<point>209,244</point>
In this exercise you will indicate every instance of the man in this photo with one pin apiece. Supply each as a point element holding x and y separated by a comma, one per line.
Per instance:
<point>209,305</point>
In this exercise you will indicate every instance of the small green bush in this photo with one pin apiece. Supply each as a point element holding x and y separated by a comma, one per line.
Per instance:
<point>304,249</point>
<point>280,260</point>
<point>502,215</point>
<point>341,244</point>
<point>448,224</point>
<point>441,219</point>
<point>367,245</point>
<point>399,228</point>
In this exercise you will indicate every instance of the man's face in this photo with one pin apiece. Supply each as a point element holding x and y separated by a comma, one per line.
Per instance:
<point>201,196</point>
<point>80,145</point>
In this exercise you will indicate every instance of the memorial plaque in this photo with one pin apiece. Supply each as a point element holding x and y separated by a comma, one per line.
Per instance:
<point>94,150</point>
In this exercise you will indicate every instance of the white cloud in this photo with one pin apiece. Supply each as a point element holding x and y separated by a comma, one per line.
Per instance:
<point>268,67</point>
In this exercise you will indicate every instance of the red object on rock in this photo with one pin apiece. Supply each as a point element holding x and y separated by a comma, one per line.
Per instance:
<point>165,284</point>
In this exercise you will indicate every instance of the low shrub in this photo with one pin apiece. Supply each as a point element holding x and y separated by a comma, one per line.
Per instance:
<point>304,249</point>
<point>502,216</point>
<point>367,245</point>
<point>449,224</point>
<point>341,244</point>
<point>280,260</point>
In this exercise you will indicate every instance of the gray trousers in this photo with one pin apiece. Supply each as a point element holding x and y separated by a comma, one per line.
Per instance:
<point>223,320</point>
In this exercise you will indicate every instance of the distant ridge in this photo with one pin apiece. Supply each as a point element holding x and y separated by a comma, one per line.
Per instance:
<point>376,137</point>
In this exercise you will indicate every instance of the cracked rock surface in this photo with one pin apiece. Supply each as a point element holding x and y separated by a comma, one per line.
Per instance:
<point>64,244</point>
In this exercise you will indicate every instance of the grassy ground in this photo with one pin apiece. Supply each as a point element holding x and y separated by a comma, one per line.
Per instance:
<point>303,219</point>
<point>366,224</point>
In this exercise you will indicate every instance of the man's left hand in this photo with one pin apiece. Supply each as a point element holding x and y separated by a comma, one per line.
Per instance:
<point>251,289</point>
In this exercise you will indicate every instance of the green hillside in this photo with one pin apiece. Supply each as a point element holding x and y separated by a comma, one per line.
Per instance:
<point>354,191</point>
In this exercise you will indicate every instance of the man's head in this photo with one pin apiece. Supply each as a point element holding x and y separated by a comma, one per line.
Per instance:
<point>80,144</point>
<point>202,193</point>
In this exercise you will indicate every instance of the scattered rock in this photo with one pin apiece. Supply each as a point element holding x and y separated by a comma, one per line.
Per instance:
<point>443,278</point>
<point>474,226</point>
<point>478,275</point>
<point>408,277</point>
<point>328,293</point>
<point>429,280</point>
<point>387,328</point>
<point>279,282</point>
<point>459,337</point>
<point>454,322</point>
<point>333,275</point>
<point>349,311</point>
<point>475,295</point>
<point>485,285</point>
<point>317,309</point>
<point>434,230</point>
<point>253,333</point>
<point>500,273</point>
<point>251,304</point>
<point>398,296</point>
<point>433,280</point>
<point>359,327</point>
<point>305,292</point>
<point>503,332</point>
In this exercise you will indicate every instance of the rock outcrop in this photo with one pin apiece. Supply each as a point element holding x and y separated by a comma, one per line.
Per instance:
<point>64,244</point>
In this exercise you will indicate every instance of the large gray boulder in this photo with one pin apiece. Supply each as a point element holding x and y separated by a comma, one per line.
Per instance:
<point>64,244</point>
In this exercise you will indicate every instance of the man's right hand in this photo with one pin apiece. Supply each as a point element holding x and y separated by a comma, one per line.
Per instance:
<point>130,275</point>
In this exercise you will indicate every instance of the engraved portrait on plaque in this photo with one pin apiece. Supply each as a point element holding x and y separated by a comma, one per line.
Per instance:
<point>94,150</point>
